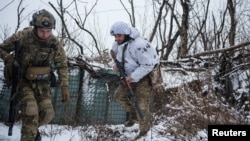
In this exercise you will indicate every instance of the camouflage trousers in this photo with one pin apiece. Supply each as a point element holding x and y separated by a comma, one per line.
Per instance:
<point>36,107</point>
<point>143,93</point>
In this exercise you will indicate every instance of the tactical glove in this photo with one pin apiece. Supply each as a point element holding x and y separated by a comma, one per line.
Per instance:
<point>8,68</point>
<point>65,93</point>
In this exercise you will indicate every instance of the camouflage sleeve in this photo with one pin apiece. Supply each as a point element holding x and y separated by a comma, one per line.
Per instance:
<point>6,47</point>
<point>61,65</point>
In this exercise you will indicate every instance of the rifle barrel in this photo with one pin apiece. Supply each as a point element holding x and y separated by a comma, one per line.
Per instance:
<point>13,101</point>
<point>137,107</point>
<point>10,131</point>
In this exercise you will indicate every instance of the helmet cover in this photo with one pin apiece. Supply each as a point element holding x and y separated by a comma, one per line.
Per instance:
<point>120,28</point>
<point>43,19</point>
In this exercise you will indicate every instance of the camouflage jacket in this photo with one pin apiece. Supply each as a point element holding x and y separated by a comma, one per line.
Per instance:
<point>31,51</point>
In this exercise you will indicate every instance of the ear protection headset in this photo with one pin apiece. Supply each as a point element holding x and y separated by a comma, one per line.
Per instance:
<point>43,19</point>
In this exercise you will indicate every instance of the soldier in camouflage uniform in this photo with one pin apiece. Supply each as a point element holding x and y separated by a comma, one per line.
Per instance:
<point>37,48</point>
<point>138,58</point>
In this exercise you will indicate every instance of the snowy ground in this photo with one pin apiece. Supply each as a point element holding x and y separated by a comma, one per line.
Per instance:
<point>62,133</point>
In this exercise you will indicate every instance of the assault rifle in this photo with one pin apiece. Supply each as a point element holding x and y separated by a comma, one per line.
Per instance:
<point>13,100</point>
<point>123,76</point>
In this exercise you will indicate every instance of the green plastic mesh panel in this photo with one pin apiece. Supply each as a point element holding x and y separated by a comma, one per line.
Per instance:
<point>91,99</point>
<point>99,105</point>
<point>65,113</point>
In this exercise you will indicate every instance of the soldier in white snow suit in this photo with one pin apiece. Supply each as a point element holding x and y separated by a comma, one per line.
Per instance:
<point>138,59</point>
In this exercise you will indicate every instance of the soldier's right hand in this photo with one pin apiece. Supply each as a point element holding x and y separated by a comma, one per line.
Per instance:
<point>115,68</point>
<point>8,68</point>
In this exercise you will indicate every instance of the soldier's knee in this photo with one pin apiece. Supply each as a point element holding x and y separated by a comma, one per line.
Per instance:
<point>47,112</point>
<point>48,115</point>
<point>31,108</point>
<point>116,95</point>
<point>28,102</point>
<point>29,115</point>
<point>120,96</point>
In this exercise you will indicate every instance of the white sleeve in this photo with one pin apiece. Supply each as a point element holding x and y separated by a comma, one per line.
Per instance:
<point>147,58</point>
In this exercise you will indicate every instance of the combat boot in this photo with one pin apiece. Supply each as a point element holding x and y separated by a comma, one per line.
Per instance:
<point>142,133</point>
<point>38,136</point>
<point>133,119</point>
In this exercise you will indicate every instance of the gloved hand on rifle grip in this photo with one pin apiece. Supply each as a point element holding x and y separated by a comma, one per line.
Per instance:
<point>65,93</point>
<point>8,69</point>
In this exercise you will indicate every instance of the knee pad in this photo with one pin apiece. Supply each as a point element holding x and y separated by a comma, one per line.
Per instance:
<point>46,112</point>
<point>31,108</point>
<point>29,115</point>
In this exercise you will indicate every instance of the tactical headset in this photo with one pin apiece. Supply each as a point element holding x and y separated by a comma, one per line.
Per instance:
<point>43,19</point>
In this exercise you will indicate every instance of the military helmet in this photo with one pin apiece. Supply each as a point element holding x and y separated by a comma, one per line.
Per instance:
<point>120,28</point>
<point>43,19</point>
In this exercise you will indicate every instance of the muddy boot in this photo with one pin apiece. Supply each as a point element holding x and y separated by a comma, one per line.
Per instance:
<point>141,134</point>
<point>38,136</point>
<point>133,119</point>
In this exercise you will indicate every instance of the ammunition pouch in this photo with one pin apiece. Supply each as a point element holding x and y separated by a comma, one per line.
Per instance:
<point>38,73</point>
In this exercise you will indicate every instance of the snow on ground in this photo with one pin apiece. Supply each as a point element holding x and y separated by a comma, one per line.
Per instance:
<point>67,133</point>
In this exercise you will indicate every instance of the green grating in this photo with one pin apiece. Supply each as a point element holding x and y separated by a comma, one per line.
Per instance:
<point>91,100</point>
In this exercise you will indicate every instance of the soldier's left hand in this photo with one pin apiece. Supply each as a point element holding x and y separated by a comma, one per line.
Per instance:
<point>65,93</point>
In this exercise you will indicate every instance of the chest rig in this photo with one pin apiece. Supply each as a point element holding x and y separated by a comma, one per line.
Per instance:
<point>35,56</point>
